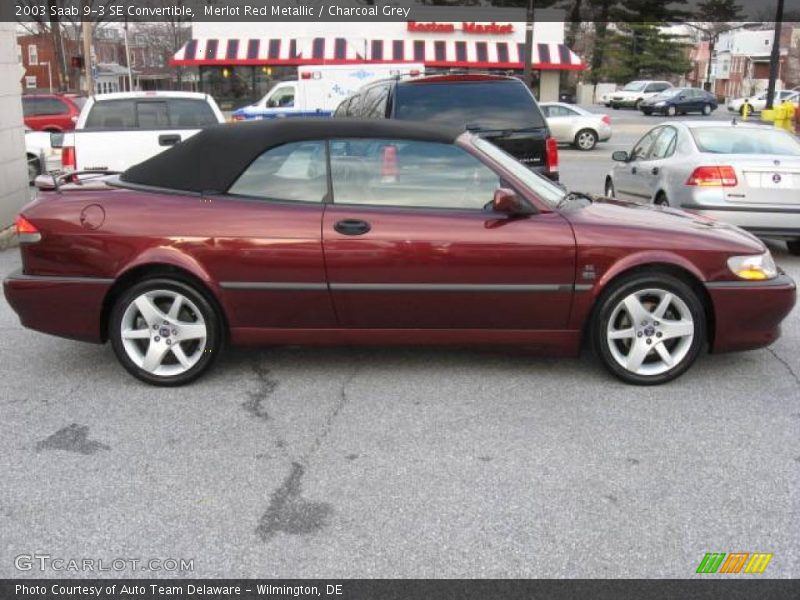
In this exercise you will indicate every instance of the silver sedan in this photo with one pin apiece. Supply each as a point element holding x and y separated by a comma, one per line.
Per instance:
<point>744,174</point>
<point>571,124</point>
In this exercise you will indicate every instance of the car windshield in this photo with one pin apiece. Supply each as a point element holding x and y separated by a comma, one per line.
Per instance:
<point>482,104</point>
<point>545,189</point>
<point>669,93</point>
<point>745,140</point>
<point>634,86</point>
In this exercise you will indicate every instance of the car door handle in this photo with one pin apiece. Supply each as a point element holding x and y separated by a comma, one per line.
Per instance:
<point>654,170</point>
<point>352,227</point>
<point>168,139</point>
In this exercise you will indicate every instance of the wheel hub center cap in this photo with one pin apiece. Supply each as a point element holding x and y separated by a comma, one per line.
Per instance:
<point>164,332</point>
<point>649,331</point>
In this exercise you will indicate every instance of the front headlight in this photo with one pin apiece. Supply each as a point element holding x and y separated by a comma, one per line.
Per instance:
<point>753,268</point>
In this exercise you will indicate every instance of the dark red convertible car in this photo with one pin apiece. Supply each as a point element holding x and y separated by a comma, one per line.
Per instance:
<point>360,232</point>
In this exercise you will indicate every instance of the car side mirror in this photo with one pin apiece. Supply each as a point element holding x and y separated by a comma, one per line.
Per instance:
<point>620,156</point>
<point>56,139</point>
<point>507,201</point>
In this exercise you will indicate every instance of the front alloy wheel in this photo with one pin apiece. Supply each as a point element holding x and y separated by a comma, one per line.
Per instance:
<point>164,332</point>
<point>671,111</point>
<point>649,329</point>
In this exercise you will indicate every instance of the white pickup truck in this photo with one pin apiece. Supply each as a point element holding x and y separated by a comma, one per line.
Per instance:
<point>117,131</point>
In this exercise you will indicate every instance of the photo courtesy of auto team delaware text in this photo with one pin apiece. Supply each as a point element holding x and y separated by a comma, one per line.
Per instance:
<point>316,293</point>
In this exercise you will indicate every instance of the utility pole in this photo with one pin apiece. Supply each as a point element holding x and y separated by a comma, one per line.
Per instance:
<point>527,65</point>
<point>775,56</point>
<point>88,63</point>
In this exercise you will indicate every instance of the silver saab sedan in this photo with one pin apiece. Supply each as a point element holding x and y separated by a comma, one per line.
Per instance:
<point>741,173</point>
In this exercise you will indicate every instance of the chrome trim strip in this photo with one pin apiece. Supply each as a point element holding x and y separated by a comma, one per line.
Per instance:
<point>18,275</point>
<point>779,281</point>
<point>583,287</point>
<point>449,287</point>
<point>403,287</point>
<point>277,286</point>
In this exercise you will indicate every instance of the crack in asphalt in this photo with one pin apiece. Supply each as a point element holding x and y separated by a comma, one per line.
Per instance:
<point>266,386</point>
<point>785,364</point>
<point>288,511</point>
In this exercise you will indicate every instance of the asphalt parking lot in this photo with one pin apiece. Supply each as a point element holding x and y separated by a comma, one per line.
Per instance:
<point>400,462</point>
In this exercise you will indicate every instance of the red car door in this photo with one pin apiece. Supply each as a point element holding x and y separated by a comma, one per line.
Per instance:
<point>409,244</point>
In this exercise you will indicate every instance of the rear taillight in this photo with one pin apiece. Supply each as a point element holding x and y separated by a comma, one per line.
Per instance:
<point>69,159</point>
<point>606,119</point>
<point>713,177</point>
<point>26,231</point>
<point>551,155</point>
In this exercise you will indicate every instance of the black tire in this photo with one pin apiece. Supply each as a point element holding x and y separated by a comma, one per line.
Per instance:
<point>609,189</point>
<point>590,140</point>
<point>34,168</point>
<point>214,330</point>
<point>661,199</point>
<point>615,106</point>
<point>794,247</point>
<point>647,111</point>
<point>620,290</point>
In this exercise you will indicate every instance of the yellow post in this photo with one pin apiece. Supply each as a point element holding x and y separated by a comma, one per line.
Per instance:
<point>746,110</point>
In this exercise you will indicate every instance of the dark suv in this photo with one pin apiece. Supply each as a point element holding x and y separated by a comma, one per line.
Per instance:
<point>498,108</point>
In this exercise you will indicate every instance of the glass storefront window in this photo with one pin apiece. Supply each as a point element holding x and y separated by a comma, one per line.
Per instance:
<point>236,86</point>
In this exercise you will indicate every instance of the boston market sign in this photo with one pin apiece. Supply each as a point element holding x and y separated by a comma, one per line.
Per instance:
<point>474,28</point>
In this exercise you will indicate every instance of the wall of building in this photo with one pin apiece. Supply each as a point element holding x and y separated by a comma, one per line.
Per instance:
<point>13,172</point>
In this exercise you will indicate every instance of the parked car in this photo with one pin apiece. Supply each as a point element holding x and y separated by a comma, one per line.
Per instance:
<point>42,157</point>
<point>500,109</point>
<point>576,126</point>
<point>680,101</point>
<point>759,101</point>
<point>51,112</point>
<point>116,131</point>
<point>635,92</point>
<point>744,174</point>
<point>315,231</point>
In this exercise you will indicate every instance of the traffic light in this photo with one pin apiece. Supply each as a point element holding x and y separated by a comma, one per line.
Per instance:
<point>77,62</point>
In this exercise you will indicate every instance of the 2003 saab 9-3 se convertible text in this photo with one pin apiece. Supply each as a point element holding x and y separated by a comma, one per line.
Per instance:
<point>341,231</point>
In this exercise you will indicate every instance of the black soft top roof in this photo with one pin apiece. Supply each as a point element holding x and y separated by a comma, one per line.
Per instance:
<point>212,160</point>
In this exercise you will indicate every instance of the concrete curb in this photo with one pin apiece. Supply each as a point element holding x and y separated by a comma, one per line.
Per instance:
<point>8,238</point>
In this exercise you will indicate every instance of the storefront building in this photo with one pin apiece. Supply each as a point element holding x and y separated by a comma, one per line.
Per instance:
<point>239,62</point>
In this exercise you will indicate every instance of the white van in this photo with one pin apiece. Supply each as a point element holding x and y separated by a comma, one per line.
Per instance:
<point>318,90</point>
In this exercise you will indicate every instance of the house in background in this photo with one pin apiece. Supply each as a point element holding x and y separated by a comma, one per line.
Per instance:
<point>740,64</point>
<point>149,55</point>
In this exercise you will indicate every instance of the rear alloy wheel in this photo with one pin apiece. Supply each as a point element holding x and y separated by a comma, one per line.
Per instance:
<point>794,247</point>
<point>671,111</point>
<point>585,139</point>
<point>649,328</point>
<point>165,332</point>
<point>610,189</point>
<point>706,109</point>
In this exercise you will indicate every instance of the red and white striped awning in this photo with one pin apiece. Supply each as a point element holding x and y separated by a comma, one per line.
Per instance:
<point>320,50</point>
